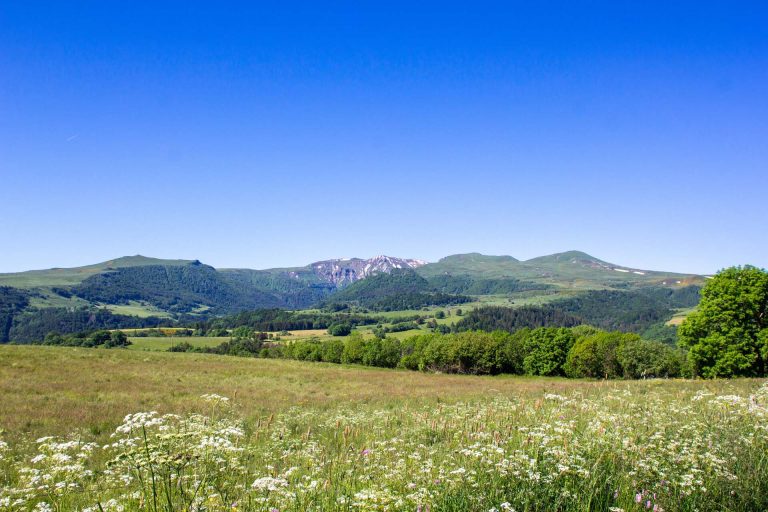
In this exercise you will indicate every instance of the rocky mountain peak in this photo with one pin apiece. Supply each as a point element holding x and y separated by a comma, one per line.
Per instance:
<point>344,271</point>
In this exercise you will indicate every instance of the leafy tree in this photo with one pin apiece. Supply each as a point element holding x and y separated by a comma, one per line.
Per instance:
<point>648,358</point>
<point>243,332</point>
<point>493,318</point>
<point>728,335</point>
<point>662,332</point>
<point>117,339</point>
<point>53,338</point>
<point>340,329</point>
<point>595,356</point>
<point>546,351</point>
<point>354,349</point>
<point>382,352</point>
<point>99,338</point>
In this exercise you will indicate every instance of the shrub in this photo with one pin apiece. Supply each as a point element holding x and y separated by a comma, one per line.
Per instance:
<point>341,329</point>
<point>546,350</point>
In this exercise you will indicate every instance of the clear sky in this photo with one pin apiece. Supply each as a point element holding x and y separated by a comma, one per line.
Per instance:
<point>260,134</point>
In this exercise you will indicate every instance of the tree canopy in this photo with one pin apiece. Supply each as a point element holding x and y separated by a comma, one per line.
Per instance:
<point>728,335</point>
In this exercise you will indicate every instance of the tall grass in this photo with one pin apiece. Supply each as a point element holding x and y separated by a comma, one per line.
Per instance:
<point>654,446</point>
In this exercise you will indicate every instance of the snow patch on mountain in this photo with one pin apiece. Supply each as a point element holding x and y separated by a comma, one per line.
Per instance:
<point>345,271</point>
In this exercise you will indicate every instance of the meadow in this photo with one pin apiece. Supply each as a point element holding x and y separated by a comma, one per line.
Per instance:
<point>163,343</point>
<point>94,429</point>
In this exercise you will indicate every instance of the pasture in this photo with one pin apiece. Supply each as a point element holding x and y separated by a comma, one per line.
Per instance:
<point>163,431</point>
<point>163,343</point>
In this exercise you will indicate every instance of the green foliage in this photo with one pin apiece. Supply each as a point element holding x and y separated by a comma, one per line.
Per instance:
<point>117,339</point>
<point>641,358</point>
<point>340,329</point>
<point>685,297</point>
<point>579,352</point>
<point>617,310</point>
<point>492,318</point>
<point>184,346</point>
<point>595,355</point>
<point>12,302</point>
<point>177,289</point>
<point>466,352</point>
<point>629,311</point>
<point>400,289</point>
<point>354,349</point>
<point>100,338</point>
<point>546,350</point>
<point>31,326</point>
<point>666,334</point>
<point>466,284</point>
<point>292,293</point>
<point>401,326</point>
<point>281,320</point>
<point>728,335</point>
<point>235,347</point>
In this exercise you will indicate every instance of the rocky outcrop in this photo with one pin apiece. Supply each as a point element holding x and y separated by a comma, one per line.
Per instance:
<point>342,272</point>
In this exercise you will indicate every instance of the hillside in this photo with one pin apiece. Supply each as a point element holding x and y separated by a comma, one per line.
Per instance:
<point>571,269</point>
<point>400,289</point>
<point>138,290</point>
<point>76,275</point>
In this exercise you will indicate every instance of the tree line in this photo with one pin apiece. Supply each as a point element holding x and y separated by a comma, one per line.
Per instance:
<point>577,352</point>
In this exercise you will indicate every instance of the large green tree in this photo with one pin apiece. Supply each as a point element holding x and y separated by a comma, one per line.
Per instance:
<point>546,350</point>
<point>728,335</point>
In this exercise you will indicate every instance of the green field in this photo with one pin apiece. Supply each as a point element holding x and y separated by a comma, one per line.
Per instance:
<point>260,435</point>
<point>680,315</point>
<point>163,343</point>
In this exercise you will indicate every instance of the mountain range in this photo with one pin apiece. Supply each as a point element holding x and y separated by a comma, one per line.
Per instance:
<point>139,286</point>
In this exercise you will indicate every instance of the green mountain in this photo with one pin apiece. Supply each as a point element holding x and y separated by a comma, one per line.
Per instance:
<point>73,276</point>
<point>138,290</point>
<point>572,269</point>
<point>472,264</point>
<point>400,289</point>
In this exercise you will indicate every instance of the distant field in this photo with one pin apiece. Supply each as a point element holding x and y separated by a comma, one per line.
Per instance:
<point>308,333</point>
<point>135,308</point>
<point>57,389</point>
<point>680,315</point>
<point>49,390</point>
<point>162,343</point>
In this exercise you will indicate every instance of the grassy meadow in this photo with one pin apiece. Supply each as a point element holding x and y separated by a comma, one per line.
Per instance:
<point>136,430</point>
<point>163,343</point>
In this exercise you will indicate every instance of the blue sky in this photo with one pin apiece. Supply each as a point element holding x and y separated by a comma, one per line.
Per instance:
<point>275,134</point>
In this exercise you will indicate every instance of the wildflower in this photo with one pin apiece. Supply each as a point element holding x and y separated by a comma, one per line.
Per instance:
<point>268,483</point>
<point>213,397</point>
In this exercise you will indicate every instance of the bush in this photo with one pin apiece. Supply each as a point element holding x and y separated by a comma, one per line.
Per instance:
<point>117,339</point>
<point>546,351</point>
<point>595,355</point>
<point>647,358</point>
<point>342,329</point>
<point>182,347</point>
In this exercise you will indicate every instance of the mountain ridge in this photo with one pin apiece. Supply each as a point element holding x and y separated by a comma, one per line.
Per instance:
<point>340,271</point>
<point>139,287</point>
